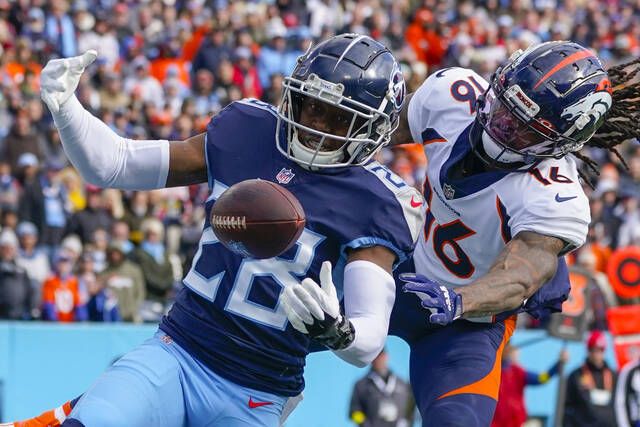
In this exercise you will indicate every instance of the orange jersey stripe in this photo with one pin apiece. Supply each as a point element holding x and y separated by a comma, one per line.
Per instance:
<point>50,418</point>
<point>490,384</point>
<point>431,141</point>
<point>66,408</point>
<point>46,419</point>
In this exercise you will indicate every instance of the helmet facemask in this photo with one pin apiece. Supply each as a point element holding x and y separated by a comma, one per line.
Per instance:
<point>366,129</point>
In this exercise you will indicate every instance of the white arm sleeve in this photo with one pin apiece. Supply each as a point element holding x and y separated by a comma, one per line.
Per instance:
<point>369,294</point>
<point>104,158</point>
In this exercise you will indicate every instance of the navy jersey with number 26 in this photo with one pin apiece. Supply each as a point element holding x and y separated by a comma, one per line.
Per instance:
<point>228,314</point>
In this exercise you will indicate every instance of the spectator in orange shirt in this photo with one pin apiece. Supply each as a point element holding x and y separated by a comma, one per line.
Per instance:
<point>23,62</point>
<point>425,37</point>
<point>600,251</point>
<point>61,300</point>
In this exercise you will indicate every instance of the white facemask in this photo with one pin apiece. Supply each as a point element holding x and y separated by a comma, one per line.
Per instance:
<point>306,154</point>
<point>301,152</point>
<point>496,152</point>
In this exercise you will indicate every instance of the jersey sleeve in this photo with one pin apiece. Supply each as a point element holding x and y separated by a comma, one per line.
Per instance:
<point>554,204</point>
<point>444,103</point>
<point>394,216</point>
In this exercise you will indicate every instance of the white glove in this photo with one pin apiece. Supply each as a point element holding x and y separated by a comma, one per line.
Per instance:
<point>59,78</point>
<point>308,303</point>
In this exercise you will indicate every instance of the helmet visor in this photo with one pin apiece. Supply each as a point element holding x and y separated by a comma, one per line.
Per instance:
<point>513,133</point>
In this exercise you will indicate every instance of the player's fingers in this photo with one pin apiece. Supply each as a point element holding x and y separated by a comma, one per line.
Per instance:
<point>298,306</point>
<point>407,277</point>
<point>311,300</point>
<point>413,277</point>
<point>294,318</point>
<point>438,319</point>
<point>428,297</point>
<point>312,287</point>
<point>431,310</point>
<point>297,323</point>
<point>425,288</point>
<point>88,57</point>
<point>50,84</point>
<point>429,302</point>
<point>80,62</point>
<point>307,292</point>
<point>54,68</point>
<point>326,279</point>
<point>317,293</point>
<point>326,296</point>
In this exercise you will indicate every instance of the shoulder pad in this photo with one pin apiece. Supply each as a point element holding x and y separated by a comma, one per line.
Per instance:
<point>409,199</point>
<point>554,203</point>
<point>444,104</point>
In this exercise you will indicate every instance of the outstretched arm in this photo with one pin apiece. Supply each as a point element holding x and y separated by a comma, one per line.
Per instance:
<point>104,158</point>
<point>187,164</point>
<point>526,263</point>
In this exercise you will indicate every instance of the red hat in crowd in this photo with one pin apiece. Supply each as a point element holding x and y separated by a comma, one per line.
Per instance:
<point>92,189</point>
<point>597,339</point>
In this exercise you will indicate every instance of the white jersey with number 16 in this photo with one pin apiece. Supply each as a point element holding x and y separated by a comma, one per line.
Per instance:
<point>469,220</point>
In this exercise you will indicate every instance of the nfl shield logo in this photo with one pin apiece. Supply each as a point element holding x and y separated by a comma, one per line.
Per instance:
<point>448,191</point>
<point>284,176</point>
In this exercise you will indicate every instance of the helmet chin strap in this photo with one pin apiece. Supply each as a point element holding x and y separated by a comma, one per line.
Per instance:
<point>498,153</point>
<point>311,157</point>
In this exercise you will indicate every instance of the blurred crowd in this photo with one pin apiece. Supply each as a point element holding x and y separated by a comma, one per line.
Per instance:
<point>70,252</point>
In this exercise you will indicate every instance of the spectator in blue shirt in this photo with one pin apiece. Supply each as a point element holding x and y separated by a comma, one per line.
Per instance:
<point>275,58</point>
<point>212,52</point>
<point>60,30</point>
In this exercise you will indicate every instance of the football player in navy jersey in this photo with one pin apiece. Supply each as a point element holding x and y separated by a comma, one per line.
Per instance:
<point>503,205</point>
<point>231,351</point>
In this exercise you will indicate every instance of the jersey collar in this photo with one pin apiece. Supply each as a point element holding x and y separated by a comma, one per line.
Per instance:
<point>457,188</point>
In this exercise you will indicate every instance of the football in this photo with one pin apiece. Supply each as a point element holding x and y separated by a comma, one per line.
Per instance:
<point>257,219</point>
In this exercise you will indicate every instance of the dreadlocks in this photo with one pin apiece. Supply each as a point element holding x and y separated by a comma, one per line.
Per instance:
<point>623,119</point>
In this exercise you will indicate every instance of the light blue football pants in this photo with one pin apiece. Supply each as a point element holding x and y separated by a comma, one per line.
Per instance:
<point>159,384</point>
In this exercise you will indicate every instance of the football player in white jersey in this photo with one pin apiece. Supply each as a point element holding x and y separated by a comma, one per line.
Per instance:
<point>503,205</point>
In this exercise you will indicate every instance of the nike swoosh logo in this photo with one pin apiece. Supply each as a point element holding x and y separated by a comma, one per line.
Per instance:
<point>253,404</point>
<point>415,204</point>
<point>563,199</point>
<point>441,72</point>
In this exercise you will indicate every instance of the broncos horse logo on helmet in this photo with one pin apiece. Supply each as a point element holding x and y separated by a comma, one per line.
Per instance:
<point>356,75</point>
<point>546,102</point>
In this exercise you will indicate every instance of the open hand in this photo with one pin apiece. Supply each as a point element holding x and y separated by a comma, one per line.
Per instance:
<point>60,77</point>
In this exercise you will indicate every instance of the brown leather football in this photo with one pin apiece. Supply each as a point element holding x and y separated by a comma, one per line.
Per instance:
<point>257,218</point>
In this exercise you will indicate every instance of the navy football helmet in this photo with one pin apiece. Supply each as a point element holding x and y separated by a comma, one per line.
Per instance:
<point>354,86</point>
<point>546,102</point>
